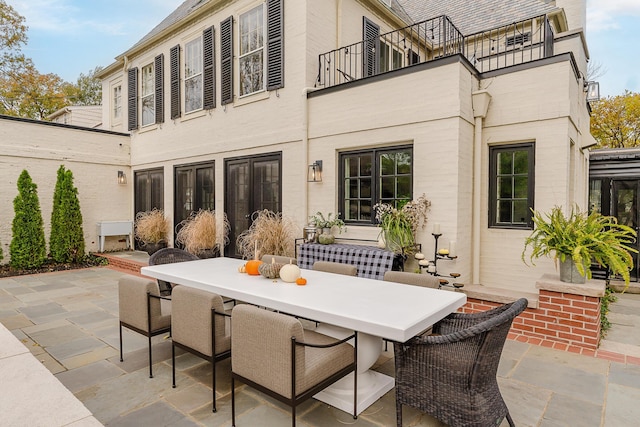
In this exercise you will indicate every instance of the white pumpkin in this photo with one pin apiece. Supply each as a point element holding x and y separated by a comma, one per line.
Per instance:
<point>289,273</point>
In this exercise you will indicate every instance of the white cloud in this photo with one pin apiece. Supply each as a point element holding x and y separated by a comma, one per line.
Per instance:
<point>603,14</point>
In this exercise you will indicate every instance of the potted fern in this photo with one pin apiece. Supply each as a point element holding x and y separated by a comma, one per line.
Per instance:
<point>579,240</point>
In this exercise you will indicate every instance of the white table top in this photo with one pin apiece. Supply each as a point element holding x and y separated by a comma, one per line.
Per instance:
<point>385,309</point>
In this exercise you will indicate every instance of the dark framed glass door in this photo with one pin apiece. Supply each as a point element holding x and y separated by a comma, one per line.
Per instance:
<point>625,208</point>
<point>148,190</point>
<point>251,184</point>
<point>194,189</point>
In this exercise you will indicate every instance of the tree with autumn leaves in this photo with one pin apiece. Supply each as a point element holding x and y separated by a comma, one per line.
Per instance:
<point>615,121</point>
<point>24,91</point>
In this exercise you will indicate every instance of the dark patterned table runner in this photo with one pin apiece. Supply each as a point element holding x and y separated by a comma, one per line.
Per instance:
<point>371,262</point>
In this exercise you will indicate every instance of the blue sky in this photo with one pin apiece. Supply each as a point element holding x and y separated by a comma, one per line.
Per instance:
<point>69,37</point>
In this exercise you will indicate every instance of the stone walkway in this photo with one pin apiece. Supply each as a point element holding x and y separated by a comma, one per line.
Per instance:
<point>69,322</point>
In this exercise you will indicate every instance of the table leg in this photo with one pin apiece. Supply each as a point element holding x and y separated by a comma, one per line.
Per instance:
<point>372,385</point>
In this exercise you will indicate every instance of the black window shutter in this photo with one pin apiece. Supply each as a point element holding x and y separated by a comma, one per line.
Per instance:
<point>159,80</point>
<point>275,44</point>
<point>226,60</point>
<point>174,58</point>
<point>132,104</point>
<point>209,69</point>
<point>371,47</point>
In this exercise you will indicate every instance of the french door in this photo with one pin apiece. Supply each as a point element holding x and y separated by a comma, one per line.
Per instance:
<point>251,184</point>
<point>148,190</point>
<point>194,190</point>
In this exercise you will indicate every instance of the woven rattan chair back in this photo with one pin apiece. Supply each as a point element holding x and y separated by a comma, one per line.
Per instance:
<point>451,374</point>
<point>169,256</point>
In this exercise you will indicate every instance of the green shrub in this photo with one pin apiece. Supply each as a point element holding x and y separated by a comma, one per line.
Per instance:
<point>28,247</point>
<point>66,241</point>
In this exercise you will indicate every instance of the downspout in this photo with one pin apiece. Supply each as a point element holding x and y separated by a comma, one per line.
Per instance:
<point>480,102</point>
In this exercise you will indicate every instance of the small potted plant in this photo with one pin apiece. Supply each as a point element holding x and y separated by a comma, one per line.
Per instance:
<point>399,225</point>
<point>200,232</point>
<point>580,240</point>
<point>326,223</point>
<point>151,229</point>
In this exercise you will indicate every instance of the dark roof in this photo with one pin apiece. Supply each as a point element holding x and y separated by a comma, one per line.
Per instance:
<point>471,16</point>
<point>177,15</point>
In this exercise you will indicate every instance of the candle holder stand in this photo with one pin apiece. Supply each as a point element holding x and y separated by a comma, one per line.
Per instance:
<point>431,266</point>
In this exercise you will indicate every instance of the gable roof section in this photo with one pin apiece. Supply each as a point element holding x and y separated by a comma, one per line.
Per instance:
<point>471,16</point>
<point>177,15</point>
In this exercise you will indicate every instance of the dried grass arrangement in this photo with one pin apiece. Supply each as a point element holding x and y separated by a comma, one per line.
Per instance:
<point>152,226</point>
<point>200,232</point>
<point>271,233</point>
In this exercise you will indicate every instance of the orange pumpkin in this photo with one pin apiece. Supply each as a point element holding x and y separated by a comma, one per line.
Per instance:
<point>301,281</point>
<point>252,267</point>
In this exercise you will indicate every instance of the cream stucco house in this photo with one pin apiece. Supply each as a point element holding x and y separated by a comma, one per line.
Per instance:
<point>478,105</point>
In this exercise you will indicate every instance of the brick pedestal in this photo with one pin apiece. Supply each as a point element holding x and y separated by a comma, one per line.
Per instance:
<point>567,316</point>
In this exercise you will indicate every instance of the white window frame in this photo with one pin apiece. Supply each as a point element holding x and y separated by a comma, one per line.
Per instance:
<point>148,95</point>
<point>116,99</point>
<point>194,75</point>
<point>257,50</point>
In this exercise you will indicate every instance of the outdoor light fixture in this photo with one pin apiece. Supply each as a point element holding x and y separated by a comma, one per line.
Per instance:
<point>122,178</point>
<point>315,172</point>
<point>593,91</point>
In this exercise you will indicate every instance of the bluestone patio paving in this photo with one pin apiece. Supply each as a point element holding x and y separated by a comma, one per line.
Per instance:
<point>69,323</point>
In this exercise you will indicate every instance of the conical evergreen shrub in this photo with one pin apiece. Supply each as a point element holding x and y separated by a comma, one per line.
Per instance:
<point>66,241</point>
<point>27,248</point>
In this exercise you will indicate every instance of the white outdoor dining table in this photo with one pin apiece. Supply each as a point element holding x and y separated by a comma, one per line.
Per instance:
<point>375,308</point>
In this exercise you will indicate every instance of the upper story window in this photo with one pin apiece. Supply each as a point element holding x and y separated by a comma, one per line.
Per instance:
<point>117,103</point>
<point>390,57</point>
<point>251,59</point>
<point>148,95</point>
<point>193,75</point>
<point>373,176</point>
<point>511,185</point>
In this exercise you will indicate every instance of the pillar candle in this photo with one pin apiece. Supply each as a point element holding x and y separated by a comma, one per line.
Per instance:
<point>436,228</point>
<point>452,248</point>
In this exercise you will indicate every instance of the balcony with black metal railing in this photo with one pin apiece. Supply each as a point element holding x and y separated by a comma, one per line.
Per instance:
<point>432,39</point>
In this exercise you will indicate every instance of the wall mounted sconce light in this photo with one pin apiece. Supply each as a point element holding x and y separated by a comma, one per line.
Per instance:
<point>315,172</point>
<point>122,178</point>
<point>593,91</point>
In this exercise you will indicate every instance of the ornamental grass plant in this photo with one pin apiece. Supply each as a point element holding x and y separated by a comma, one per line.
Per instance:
<point>270,233</point>
<point>586,238</point>
<point>152,226</point>
<point>200,232</point>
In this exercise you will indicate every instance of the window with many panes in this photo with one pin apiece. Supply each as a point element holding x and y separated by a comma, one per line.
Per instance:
<point>373,176</point>
<point>511,185</point>
<point>117,103</point>
<point>193,75</point>
<point>148,96</point>
<point>251,58</point>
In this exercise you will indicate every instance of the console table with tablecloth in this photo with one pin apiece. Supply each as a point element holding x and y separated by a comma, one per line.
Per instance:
<point>371,262</point>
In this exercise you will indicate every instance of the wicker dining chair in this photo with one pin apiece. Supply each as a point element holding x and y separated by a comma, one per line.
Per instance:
<point>143,310</point>
<point>335,267</point>
<point>201,327</point>
<point>451,374</point>
<point>168,256</point>
<point>272,353</point>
